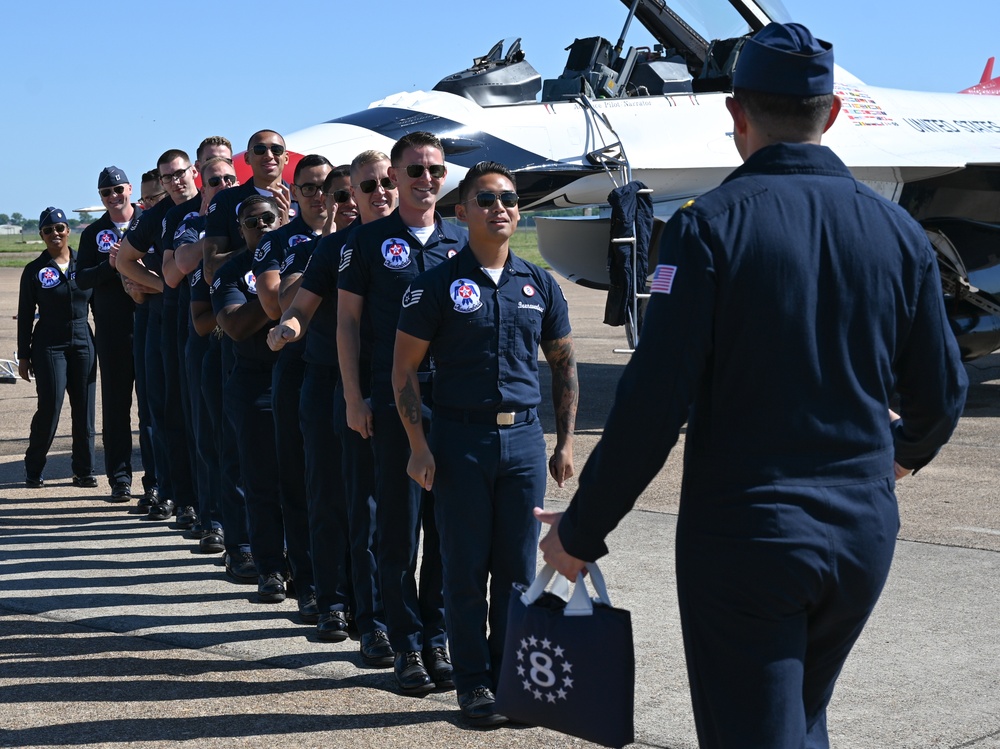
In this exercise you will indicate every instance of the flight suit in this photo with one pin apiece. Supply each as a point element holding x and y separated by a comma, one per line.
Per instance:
<point>114,315</point>
<point>274,251</point>
<point>789,305</point>
<point>60,346</point>
<point>378,263</point>
<point>484,339</point>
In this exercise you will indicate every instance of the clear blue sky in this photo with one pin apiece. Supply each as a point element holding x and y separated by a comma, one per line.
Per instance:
<point>117,83</point>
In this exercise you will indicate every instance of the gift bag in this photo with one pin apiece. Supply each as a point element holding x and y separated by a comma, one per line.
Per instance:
<point>569,665</point>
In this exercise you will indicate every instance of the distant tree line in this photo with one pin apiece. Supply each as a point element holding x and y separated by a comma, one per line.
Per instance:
<point>29,225</point>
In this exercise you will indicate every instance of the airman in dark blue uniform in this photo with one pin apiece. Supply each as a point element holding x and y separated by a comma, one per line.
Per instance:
<point>173,463</point>
<point>266,156</point>
<point>379,262</point>
<point>482,316</point>
<point>141,246</point>
<point>216,365</point>
<point>277,249</point>
<point>114,313</point>
<point>183,355</point>
<point>58,350</point>
<point>247,398</point>
<point>152,193</point>
<point>789,305</point>
<point>189,482</point>
<point>217,173</point>
<point>347,516</point>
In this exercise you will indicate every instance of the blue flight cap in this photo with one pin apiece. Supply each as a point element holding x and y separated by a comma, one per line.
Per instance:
<point>785,58</point>
<point>111,176</point>
<point>51,216</point>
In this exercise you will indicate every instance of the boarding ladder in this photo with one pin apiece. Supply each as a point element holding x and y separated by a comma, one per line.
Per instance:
<point>612,157</point>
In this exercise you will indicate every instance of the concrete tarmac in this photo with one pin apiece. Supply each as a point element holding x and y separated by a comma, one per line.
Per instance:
<point>113,631</point>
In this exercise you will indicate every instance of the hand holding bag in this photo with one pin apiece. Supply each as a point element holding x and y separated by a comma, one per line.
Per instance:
<point>569,666</point>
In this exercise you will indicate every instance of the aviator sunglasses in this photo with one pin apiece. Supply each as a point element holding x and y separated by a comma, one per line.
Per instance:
<point>259,149</point>
<point>341,195</point>
<point>229,179</point>
<point>117,190</point>
<point>415,171</point>
<point>368,186</point>
<point>487,199</point>
<point>57,228</point>
<point>265,219</point>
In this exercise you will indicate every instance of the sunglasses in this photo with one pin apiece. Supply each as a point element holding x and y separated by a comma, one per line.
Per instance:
<point>265,219</point>
<point>341,195</point>
<point>166,179</point>
<point>487,199</point>
<point>117,190</point>
<point>151,199</point>
<point>415,171</point>
<point>259,149</point>
<point>57,228</point>
<point>309,189</point>
<point>368,186</point>
<point>229,179</point>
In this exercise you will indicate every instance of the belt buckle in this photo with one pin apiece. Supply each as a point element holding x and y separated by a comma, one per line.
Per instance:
<point>505,419</point>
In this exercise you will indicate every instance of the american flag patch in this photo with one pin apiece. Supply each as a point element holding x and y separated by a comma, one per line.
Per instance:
<point>663,279</point>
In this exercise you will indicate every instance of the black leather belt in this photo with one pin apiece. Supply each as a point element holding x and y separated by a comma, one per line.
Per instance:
<point>500,418</point>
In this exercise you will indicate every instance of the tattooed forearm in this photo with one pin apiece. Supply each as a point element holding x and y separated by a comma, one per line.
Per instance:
<point>408,402</point>
<point>565,386</point>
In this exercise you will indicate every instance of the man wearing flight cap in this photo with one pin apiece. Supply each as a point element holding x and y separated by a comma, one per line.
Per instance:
<point>114,315</point>
<point>789,305</point>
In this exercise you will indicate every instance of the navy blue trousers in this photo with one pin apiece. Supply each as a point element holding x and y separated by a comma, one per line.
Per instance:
<point>247,402</point>
<point>207,466</point>
<point>414,619</point>
<point>156,398</point>
<point>145,420</point>
<point>774,585</point>
<point>175,430</point>
<point>232,501</point>
<point>358,470</point>
<point>60,369</point>
<point>113,339</point>
<point>487,481</point>
<point>286,384</point>
<point>324,480</point>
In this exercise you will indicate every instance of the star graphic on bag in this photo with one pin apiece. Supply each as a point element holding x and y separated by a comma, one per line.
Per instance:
<point>539,663</point>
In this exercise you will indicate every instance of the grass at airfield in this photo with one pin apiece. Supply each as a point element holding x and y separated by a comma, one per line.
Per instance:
<point>15,253</point>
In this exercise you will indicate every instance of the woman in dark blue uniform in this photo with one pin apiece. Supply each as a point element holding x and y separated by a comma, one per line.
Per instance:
<point>58,351</point>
